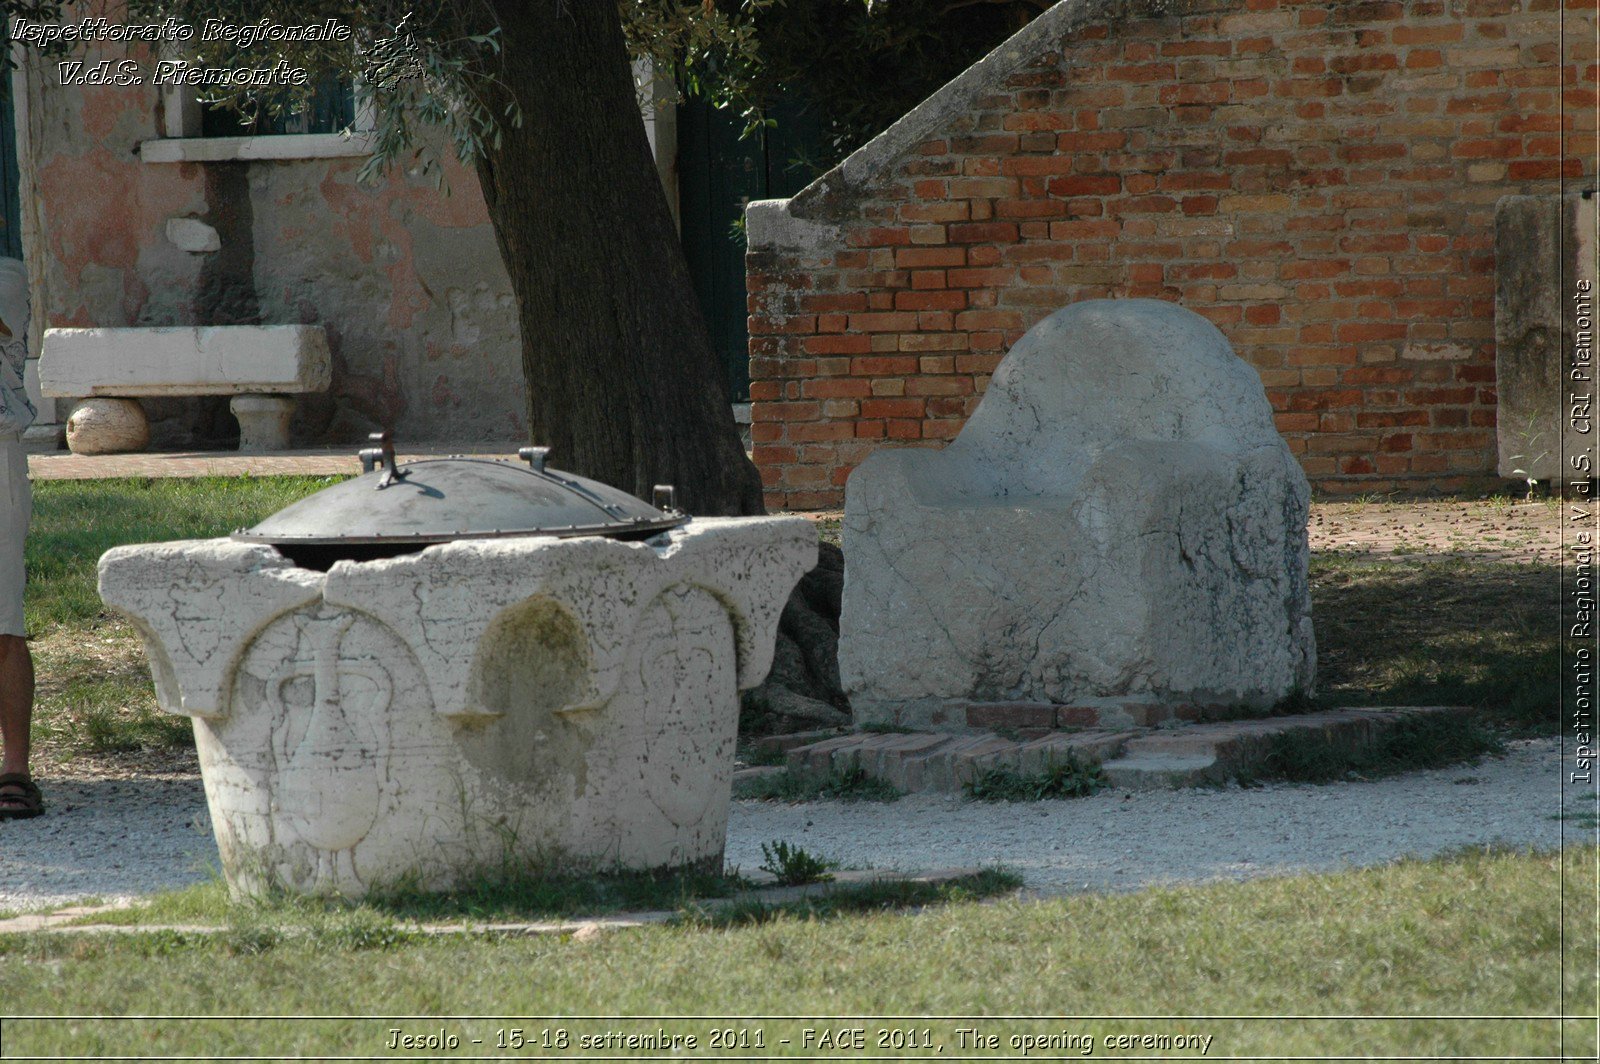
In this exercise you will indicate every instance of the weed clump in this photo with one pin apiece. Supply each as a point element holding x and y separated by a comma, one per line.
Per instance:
<point>850,784</point>
<point>795,866</point>
<point>1067,778</point>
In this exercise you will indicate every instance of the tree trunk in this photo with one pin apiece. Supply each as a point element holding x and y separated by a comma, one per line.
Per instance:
<point>622,381</point>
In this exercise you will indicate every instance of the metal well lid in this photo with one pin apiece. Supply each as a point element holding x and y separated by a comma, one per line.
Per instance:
<point>436,500</point>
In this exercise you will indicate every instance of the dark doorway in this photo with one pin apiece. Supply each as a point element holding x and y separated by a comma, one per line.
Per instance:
<point>718,173</point>
<point>10,203</point>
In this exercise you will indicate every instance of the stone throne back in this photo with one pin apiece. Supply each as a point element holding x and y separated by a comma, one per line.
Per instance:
<point>1119,527</point>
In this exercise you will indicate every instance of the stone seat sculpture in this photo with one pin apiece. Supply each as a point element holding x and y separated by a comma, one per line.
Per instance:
<point>261,366</point>
<point>1119,527</point>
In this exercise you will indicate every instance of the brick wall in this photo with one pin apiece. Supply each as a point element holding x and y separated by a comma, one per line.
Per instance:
<point>1318,179</point>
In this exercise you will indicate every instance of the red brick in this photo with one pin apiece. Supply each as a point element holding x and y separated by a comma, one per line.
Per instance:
<point>1363,332</point>
<point>837,345</point>
<point>993,715</point>
<point>914,258</point>
<point>834,301</point>
<point>930,300</point>
<point>1037,165</point>
<point>980,278</point>
<point>1545,169</point>
<point>1315,268</point>
<point>837,388</point>
<point>1143,74</point>
<point>1090,141</point>
<point>943,341</point>
<point>770,454</point>
<point>904,429</point>
<point>891,408</point>
<point>983,232</point>
<point>819,431</point>
<point>1029,121</point>
<point>883,366</point>
<point>1039,208</point>
<point>1436,34</point>
<point>879,237</point>
<point>1205,93</point>
<point>1085,186</point>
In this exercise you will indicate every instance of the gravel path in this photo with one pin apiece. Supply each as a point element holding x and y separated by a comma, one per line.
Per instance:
<point>114,838</point>
<point>1119,841</point>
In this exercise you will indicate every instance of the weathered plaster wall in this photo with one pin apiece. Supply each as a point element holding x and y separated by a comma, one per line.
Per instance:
<point>1317,177</point>
<point>407,281</point>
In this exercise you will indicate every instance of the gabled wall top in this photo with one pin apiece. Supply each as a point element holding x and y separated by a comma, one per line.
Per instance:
<point>802,222</point>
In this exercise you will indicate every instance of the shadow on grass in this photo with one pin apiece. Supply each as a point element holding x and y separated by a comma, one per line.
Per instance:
<point>262,923</point>
<point>885,896</point>
<point>1439,631</point>
<point>1419,743</point>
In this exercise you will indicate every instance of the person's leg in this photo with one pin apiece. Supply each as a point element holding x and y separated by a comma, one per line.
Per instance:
<point>18,796</point>
<point>16,703</point>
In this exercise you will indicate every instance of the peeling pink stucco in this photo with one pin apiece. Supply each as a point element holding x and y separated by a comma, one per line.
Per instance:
<point>101,208</point>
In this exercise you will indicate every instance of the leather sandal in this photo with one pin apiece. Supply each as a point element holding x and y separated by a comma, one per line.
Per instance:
<point>19,797</point>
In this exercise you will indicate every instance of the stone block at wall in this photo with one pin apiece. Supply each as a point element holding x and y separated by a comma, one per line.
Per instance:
<point>1118,523</point>
<point>1545,280</point>
<point>1317,179</point>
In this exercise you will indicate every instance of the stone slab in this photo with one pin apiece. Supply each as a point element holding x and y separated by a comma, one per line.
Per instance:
<point>1544,305</point>
<point>185,360</point>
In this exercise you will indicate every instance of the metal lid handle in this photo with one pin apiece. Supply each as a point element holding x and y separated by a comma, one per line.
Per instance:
<point>384,453</point>
<point>534,456</point>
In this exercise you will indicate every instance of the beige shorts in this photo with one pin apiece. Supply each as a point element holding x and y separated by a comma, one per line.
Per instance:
<point>16,509</point>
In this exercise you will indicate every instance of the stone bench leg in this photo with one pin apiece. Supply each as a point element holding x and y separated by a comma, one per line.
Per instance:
<point>263,421</point>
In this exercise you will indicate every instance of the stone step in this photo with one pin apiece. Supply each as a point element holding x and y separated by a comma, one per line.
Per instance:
<point>1215,753</point>
<point>1187,755</point>
<point>945,761</point>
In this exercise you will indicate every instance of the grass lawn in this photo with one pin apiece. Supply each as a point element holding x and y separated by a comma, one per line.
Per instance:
<point>1439,630</point>
<point>1478,933</point>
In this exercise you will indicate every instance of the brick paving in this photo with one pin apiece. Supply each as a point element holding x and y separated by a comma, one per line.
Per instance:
<point>63,465</point>
<point>1132,759</point>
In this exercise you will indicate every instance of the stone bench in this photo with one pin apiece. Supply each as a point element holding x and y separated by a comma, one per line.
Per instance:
<point>261,366</point>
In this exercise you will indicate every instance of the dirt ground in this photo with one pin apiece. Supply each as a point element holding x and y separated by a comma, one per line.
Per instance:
<point>1485,529</point>
<point>1491,529</point>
